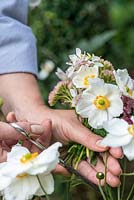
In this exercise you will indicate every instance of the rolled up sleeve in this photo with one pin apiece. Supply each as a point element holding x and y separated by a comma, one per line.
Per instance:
<point>17,42</point>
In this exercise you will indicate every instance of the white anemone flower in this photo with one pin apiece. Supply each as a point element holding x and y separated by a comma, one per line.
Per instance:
<point>124,82</point>
<point>120,134</point>
<point>21,175</point>
<point>34,3</point>
<point>79,59</point>
<point>74,93</point>
<point>99,103</point>
<point>76,58</point>
<point>83,76</point>
<point>96,61</point>
<point>65,75</point>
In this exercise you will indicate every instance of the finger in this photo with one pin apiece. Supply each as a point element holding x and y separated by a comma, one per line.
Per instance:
<point>111,179</point>
<point>116,152</point>
<point>61,170</point>
<point>3,153</point>
<point>88,172</point>
<point>27,144</point>
<point>45,137</point>
<point>80,134</point>
<point>11,117</point>
<point>9,143</point>
<point>5,146</point>
<point>10,133</point>
<point>112,164</point>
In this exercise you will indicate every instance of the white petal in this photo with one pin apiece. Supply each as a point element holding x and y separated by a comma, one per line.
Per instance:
<point>16,153</point>
<point>78,52</point>
<point>22,188</point>
<point>116,108</point>
<point>116,141</point>
<point>129,150</point>
<point>117,127</point>
<point>73,57</point>
<point>5,182</point>
<point>46,161</point>
<point>78,81</point>
<point>61,75</point>
<point>73,92</point>
<point>12,169</point>
<point>47,182</point>
<point>97,118</point>
<point>85,105</point>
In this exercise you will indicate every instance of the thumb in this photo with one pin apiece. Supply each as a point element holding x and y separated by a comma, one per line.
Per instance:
<point>80,134</point>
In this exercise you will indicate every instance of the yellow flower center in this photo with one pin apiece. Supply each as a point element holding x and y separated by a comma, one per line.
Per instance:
<point>86,83</point>
<point>28,157</point>
<point>22,175</point>
<point>102,102</point>
<point>131,129</point>
<point>128,90</point>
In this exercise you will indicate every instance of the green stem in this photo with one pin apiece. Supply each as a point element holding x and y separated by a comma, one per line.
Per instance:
<point>46,195</point>
<point>101,191</point>
<point>87,152</point>
<point>133,198</point>
<point>79,158</point>
<point>77,162</point>
<point>130,193</point>
<point>127,174</point>
<point>123,181</point>
<point>118,193</point>
<point>107,188</point>
<point>105,162</point>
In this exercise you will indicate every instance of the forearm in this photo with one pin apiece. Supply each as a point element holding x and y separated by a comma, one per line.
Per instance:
<point>21,93</point>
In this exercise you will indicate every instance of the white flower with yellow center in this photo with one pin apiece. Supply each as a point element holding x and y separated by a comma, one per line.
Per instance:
<point>99,103</point>
<point>124,82</point>
<point>120,134</point>
<point>21,175</point>
<point>83,76</point>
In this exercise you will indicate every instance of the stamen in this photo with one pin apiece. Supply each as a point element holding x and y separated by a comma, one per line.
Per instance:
<point>28,157</point>
<point>128,90</point>
<point>86,82</point>
<point>131,129</point>
<point>102,102</point>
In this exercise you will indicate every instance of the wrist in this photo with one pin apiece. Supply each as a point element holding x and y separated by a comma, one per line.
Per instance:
<point>20,93</point>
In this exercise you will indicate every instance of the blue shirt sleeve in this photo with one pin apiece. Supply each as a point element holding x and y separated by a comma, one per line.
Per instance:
<point>17,42</point>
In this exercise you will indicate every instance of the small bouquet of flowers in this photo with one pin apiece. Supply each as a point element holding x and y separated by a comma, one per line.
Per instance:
<point>103,99</point>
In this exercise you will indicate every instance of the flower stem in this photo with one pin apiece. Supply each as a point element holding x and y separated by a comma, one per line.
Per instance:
<point>118,193</point>
<point>79,158</point>
<point>46,195</point>
<point>101,191</point>
<point>123,181</point>
<point>131,191</point>
<point>127,174</point>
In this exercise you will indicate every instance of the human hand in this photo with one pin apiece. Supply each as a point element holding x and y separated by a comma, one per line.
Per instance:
<point>65,128</point>
<point>9,136</point>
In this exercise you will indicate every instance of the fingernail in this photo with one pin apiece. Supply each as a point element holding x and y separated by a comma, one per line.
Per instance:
<point>99,144</point>
<point>122,157</point>
<point>37,128</point>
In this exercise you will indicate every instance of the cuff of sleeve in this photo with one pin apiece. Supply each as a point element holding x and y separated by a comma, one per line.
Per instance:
<point>18,48</point>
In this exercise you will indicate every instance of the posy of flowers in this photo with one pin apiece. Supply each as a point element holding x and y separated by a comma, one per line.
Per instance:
<point>103,99</point>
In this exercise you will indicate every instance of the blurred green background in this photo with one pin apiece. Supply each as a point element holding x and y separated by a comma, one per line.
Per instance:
<point>103,27</point>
